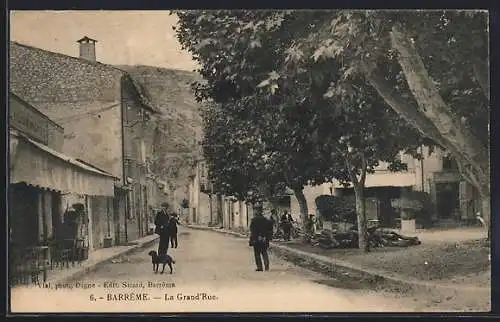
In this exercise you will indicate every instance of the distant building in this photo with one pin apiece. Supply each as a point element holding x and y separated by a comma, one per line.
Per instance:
<point>455,201</point>
<point>209,208</point>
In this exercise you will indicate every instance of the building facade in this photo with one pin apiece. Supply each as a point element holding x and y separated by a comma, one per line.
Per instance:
<point>105,116</point>
<point>209,209</point>
<point>454,201</point>
<point>41,178</point>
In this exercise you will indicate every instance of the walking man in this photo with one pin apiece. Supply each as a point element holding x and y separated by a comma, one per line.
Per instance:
<point>161,223</point>
<point>260,235</point>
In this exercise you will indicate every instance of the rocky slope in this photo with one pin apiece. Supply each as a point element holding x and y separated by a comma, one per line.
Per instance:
<point>178,131</point>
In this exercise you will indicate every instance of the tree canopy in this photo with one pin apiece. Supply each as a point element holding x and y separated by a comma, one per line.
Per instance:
<point>429,67</point>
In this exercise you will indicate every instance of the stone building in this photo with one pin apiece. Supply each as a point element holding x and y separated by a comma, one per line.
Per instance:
<point>40,178</point>
<point>105,115</point>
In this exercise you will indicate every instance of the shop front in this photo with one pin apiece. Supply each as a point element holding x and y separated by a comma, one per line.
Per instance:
<point>49,219</point>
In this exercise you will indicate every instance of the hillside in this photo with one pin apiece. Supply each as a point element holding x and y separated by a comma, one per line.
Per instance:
<point>179,130</point>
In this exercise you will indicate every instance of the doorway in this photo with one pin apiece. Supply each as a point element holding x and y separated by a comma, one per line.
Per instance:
<point>56,214</point>
<point>23,214</point>
<point>447,199</point>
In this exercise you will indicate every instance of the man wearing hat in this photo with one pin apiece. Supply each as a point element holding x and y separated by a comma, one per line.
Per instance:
<point>161,222</point>
<point>260,235</point>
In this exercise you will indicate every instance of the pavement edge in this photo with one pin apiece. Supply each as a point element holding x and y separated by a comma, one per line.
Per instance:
<point>89,269</point>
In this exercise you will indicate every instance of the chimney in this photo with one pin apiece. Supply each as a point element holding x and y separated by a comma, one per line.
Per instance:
<point>87,48</point>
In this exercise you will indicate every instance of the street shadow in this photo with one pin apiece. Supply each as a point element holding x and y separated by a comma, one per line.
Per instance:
<point>345,284</point>
<point>280,270</point>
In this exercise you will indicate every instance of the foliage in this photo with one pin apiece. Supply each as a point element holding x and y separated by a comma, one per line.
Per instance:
<point>414,205</point>
<point>239,47</point>
<point>454,59</point>
<point>406,204</point>
<point>418,205</point>
<point>185,203</point>
<point>276,119</point>
<point>337,209</point>
<point>452,44</point>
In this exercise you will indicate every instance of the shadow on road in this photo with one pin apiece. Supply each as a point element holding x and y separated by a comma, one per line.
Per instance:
<point>344,284</point>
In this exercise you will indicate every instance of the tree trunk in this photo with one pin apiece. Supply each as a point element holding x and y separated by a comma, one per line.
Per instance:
<point>361,215</point>
<point>359,186</point>
<point>301,198</point>
<point>431,116</point>
<point>431,105</point>
<point>409,111</point>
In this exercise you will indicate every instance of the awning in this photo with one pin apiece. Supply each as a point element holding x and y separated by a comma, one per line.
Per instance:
<point>38,165</point>
<point>386,179</point>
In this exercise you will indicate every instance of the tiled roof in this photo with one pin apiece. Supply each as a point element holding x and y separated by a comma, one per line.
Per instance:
<point>34,71</point>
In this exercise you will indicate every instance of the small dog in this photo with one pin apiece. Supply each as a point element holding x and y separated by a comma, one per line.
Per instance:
<point>157,260</point>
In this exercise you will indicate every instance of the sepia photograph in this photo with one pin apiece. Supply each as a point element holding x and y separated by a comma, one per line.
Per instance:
<point>249,161</point>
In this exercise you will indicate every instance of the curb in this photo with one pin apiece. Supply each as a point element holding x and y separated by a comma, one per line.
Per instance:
<point>324,264</point>
<point>86,270</point>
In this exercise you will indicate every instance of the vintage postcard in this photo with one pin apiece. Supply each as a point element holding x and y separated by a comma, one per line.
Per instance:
<point>249,161</point>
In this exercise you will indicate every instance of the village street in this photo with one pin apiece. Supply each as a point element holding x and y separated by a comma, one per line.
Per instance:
<point>207,262</point>
<point>363,136</point>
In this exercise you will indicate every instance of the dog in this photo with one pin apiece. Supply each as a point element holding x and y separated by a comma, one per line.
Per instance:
<point>164,259</point>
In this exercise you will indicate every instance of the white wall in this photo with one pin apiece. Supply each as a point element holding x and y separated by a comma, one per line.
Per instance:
<point>311,193</point>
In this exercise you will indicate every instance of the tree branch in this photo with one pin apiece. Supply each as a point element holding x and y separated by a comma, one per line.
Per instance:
<point>363,169</point>
<point>347,161</point>
<point>434,108</point>
<point>409,111</point>
<point>402,105</point>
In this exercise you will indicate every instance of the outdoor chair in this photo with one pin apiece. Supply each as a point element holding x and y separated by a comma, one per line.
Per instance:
<point>61,252</point>
<point>28,264</point>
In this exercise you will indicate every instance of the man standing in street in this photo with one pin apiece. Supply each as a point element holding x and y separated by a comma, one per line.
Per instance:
<point>260,235</point>
<point>161,222</point>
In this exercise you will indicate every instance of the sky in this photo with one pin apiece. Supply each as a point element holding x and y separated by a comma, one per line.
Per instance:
<point>124,37</point>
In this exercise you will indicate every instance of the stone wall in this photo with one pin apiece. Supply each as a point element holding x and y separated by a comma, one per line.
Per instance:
<point>92,132</point>
<point>82,96</point>
<point>102,220</point>
<point>203,215</point>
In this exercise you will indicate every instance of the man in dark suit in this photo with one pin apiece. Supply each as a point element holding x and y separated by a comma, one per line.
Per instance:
<point>161,222</point>
<point>260,235</point>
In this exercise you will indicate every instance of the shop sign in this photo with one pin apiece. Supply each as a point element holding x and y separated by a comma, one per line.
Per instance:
<point>29,121</point>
